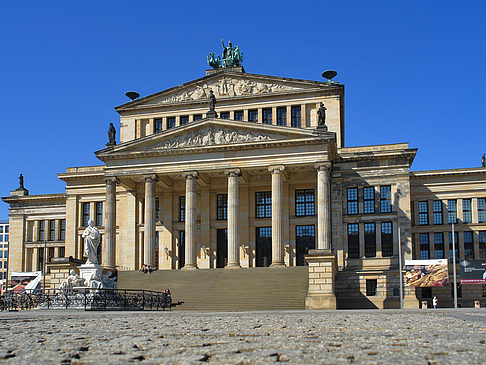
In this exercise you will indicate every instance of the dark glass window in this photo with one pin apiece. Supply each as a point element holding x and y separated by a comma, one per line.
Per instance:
<point>171,122</point>
<point>40,259</point>
<point>50,253</point>
<point>452,211</point>
<point>370,240</point>
<point>263,204</point>
<point>52,230</point>
<point>282,116</point>
<point>224,115</point>
<point>466,211</point>
<point>482,245</point>
<point>426,293</point>
<point>423,213</point>
<point>295,116</point>
<point>424,246</point>
<point>182,208</point>
<point>352,195</point>
<point>182,249</point>
<point>353,241</point>
<point>386,239</point>
<point>42,230</point>
<point>197,117</point>
<point>85,219</point>
<point>99,213</point>
<point>304,241</point>
<point>239,115</point>
<point>6,229</point>
<point>439,245</point>
<point>221,206</point>
<point>385,199</point>
<point>371,285</point>
<point>267,115</point>
<point>481,210</point>
<point>437,211</point>
<point>184,119</point>
<point>157,125</point>
<point>253,115</point>
<point>456,244</point>
<point>62,252</point>
<point>157,209</point>
<point>369,200</point>
<point>468,246</point>
<point>304,202</point>
<point>62,230</point>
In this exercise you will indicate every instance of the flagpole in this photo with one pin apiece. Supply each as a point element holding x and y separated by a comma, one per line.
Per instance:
<point>454,265</point>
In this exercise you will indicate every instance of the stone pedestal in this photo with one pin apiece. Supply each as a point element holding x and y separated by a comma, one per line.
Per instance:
<point>87,272</point>
<point>322,278</point>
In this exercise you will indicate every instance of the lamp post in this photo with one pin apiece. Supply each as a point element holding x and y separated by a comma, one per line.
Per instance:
<point>44,268</point>
<point>454,265</point>
<point>400,265</point>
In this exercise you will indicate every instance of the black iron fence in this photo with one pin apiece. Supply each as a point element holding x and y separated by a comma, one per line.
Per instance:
<point>87,299</point>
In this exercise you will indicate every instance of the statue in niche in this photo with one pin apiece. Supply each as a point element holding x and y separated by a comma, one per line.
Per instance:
<point>92,239</point>
<point>321,116</point>
<point>111,136</point>
<point>212,101</point>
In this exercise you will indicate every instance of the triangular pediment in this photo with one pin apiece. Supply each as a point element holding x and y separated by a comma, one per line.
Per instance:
<point>226,85</point>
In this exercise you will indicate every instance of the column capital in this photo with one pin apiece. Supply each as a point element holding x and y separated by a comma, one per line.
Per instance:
<point>193,175</point>
<point>233,172</point>
<point>150,177</point>
<point>111,179</point>
<point>323,166</point>
<point>276,169</point>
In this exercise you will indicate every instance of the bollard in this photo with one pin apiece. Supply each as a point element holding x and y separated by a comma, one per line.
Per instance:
<point>477,304</point>
<point>425,304</point>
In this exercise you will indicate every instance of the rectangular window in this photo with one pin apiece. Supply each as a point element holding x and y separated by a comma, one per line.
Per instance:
<point>437,211</point>
<point>62,251</point>
<point>371,285</point>
<point>224,115</point>
<point>62,230</point>
<point>385,199</point>
<point>387,239</point>
<point>157,125</point>
<point>197,117</point>
<point>157,210</point>
<point>369,200</point>
<point>482,245</point>
<point>182,208</point>
<point>1,238</point>
<point>239,115</point>
<point>221,207</point>
<point>52,230</point>
<point>353,241</point>
<point>304,202</point>
<point>1,229</point>
<point>424,246</point>
<point>171,122</point>
<point>42,229</point>
<point>282,116</point>
<point>6,229</point>
<point>263,204</point>
<point>50,253</point>
<point>352,195</point>
<point>468,245</point>
<point>370,240</point>
<point>452,211</point>
<point>423,209</point>
<point>85,218</point>
<point>184,119</point>
<point>99,213</point>
<point>253,115</point>
<point>295,116</point>
<point>267,115</point>
<point>481,210</point>
<point>456,244</point>
<point>466,211</point>
<point>439,245</point>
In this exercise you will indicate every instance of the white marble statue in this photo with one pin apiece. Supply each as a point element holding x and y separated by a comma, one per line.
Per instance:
<point>72,281</point>
<point>92,238</point>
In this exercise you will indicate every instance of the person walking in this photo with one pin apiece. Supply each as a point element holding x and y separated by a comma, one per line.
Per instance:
<point>435,301</point>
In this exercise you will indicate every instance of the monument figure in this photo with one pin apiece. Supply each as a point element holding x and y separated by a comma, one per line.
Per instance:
<point>72,281</point>
<point>92,238</point>
<point>321,115</point>
<point>111,136</point>
<point>483,162</point>
<point>212,101</point>
<point>232,57</point>
<point>21,180</point>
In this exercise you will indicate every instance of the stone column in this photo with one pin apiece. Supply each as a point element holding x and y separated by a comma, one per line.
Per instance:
<point>149,222</point>
<point>277,216</point>
<point>323,206</point>
<point>233,218</point>
<point>190,220</point>
<point>109,239</point>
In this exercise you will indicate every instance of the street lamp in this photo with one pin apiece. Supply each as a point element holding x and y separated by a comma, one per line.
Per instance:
<point>454,265</point>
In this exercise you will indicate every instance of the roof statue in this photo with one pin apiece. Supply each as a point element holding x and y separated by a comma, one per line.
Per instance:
<point>231,57</point>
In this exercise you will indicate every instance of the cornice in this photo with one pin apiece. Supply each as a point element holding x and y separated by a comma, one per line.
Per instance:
<point>46,197</point>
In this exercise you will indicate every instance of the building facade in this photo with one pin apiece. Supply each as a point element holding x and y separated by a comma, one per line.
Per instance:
<point>4,234</point>
<point>257,182</point>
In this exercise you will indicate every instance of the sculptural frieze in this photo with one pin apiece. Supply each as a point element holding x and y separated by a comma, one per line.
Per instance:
<point>211,136</point>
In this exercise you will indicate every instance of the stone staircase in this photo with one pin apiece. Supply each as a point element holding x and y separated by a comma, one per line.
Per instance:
<point>250,289</point>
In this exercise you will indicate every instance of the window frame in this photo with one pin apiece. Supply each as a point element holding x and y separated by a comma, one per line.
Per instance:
<point>437,212</point>
<point>423,213</point>
<point>263,204</point>
<point>221,207</point>
<point>296,116</point>
<point>266,113</point>
<point>385,199</point>
<point>352,205</point>
<point>305,207</point>
<point>368,200</point>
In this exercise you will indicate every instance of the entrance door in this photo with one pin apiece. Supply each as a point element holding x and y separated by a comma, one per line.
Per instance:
<point>182,250</point>
<point>221,247</point>
<point>304,241</point>
<point>263,246</point>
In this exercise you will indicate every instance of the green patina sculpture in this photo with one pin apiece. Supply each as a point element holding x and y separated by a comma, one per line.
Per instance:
<point>232,57</point>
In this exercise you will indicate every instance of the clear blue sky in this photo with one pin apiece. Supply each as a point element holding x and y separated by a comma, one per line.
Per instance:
<point>414,71</point>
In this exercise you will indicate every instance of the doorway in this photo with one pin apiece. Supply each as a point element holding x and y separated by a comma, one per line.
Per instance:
<point>263,246</point>
<point>221,248</point>
<point>182,250</point>
<point>304,241</point>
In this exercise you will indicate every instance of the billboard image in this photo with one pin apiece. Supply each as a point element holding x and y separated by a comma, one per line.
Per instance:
<point>426,273</point>
<point>473,272</point>
<point>25,281</point>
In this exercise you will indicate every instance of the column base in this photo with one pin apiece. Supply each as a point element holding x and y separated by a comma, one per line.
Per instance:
<point>277,264</point>
<point>190,267</point>
<point>233,265</point>
<point>316,302</point>
<point>410,302</point>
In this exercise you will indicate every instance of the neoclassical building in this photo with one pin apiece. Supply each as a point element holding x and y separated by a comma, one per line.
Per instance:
<point>255,182</point>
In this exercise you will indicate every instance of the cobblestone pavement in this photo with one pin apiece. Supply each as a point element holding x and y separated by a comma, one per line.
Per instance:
<point>324,337</point>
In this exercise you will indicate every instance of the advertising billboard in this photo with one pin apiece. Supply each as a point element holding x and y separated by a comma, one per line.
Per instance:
<point>473,272</point>
<point>426,273</point>
<point>25,281</point>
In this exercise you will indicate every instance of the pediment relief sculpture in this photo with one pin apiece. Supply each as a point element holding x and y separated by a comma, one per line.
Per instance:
<point>211,137</point>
